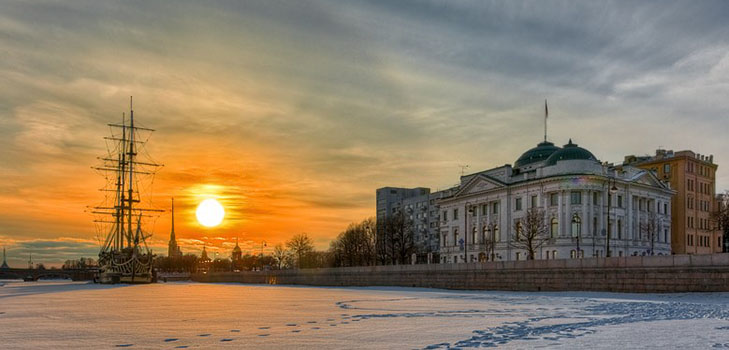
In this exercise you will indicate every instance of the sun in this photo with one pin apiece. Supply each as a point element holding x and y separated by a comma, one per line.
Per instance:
<point>210,213</point>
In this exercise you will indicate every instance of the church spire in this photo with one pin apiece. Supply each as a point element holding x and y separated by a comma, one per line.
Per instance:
<point>173,249</point>
<point>5,261</point>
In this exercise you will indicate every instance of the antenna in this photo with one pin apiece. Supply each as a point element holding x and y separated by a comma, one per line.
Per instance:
<point>463,169</point>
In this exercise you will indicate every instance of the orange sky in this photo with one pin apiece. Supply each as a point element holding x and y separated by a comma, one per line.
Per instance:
<point>292,114</point>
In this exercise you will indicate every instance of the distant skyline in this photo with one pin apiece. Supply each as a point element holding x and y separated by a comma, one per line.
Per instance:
<point>293,113</point>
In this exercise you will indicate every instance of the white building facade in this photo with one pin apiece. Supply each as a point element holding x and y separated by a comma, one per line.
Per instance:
<point>571,187</point>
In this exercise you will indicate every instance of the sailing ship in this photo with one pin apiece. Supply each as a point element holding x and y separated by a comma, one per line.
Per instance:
<point>125,256</point>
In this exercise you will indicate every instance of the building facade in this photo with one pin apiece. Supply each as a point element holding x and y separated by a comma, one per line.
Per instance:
<point>581,199</point>
<point>693,178</point>
<point>420,209</point>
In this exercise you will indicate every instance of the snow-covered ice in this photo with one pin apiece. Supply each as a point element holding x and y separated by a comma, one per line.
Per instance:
<point>52,315</point>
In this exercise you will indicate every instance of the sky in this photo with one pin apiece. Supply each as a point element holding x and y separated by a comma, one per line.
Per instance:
<point>292,113</point>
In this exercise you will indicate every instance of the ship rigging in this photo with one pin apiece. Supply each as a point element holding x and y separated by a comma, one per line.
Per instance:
<point>125,256</point>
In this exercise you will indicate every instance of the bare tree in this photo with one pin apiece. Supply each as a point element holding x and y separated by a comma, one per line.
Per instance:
<point>300,245</point>
<point>281,255</point>
<point>355,246</point>
<point>531,232</point>
<point>649,229</point>
<point>720,216</point>
<point>395,239</point>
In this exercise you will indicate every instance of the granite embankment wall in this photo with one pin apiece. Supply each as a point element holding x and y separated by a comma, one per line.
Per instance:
<point>655,274</point>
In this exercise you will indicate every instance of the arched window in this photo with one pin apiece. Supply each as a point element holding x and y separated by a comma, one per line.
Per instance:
<point>554,254</point>
<point>576,226</point>
<point>519,230</point>
<point>455,237</point>
<point>485,234</point>
<point>573,254</point>
<point>445,240</point>
<point>553,228</point>
<point>473,235</point>
<point>497,236</point>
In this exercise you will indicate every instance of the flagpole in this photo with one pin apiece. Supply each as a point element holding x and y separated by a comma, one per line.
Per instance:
<point>546,114</point>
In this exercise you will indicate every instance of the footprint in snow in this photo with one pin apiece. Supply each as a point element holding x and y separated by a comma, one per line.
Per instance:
<point>264,327</point>
<point>310,321</point>
<point>315,328</point>
<point>170,340</point>
<point>124,345</point>
<point>296,331</point>
<point>226,339</point>
<point>291,325</point>
<point>204,335</point>
<point>263,335</point>
<point>181,347</point>
<point>235,330</point>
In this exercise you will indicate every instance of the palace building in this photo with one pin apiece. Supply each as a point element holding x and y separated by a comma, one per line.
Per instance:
<point>580,200</point>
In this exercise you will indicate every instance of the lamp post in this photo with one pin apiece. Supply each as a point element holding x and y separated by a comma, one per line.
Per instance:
<point>576,228</point>
<point>612,189</point>
<point>263,244</point>
<point>467,211</point>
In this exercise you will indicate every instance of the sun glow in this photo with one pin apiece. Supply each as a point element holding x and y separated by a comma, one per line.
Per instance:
<point>210,213</point>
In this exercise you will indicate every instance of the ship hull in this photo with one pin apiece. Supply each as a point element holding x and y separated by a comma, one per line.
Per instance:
<point>119,278</point>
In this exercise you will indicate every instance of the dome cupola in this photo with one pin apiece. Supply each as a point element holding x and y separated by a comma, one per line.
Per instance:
<point>536,154</point>
<point>570,151</point>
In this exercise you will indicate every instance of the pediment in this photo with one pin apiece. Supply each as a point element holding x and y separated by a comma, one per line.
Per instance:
<point>479,184</point>
<point>647,178</point>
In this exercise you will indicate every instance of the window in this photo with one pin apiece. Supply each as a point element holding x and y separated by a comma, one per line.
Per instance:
<point>455,214</point>
<point>519,230</point>
<point>553,199</point>
<point>594,226</point>
<point>455,237</point>
<point>445,240</point>
<point>620,229</point>
<point>666,168</point>
<point>575,197</point>
<point>665,208</point>
<point>534,201</point>
<point>485,234</point>
<point>595,199</point>
<point>517,204</point>
<point>484,209</point>
<point>553,228</point>
<point>445,215</point>
<point>495,208</point>
<point>576,226</point>
<point>473,236</point>
<point>518,255</point>
<point>496,233</point>
<point>620,201</point>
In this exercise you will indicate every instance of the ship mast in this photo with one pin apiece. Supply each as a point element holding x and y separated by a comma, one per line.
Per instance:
<point>126,167</point>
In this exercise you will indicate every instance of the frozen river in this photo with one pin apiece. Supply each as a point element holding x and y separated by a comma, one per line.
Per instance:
<point>53,315</point>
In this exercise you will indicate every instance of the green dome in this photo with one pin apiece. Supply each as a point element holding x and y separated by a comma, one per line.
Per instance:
<point>536,154</point>
<point>570,152</point>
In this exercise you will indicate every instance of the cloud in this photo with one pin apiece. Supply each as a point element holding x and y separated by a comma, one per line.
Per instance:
<point>293,114</point>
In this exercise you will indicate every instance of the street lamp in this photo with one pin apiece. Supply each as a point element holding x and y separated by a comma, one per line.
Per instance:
<point>468,211</point>
<point>611,191</point>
